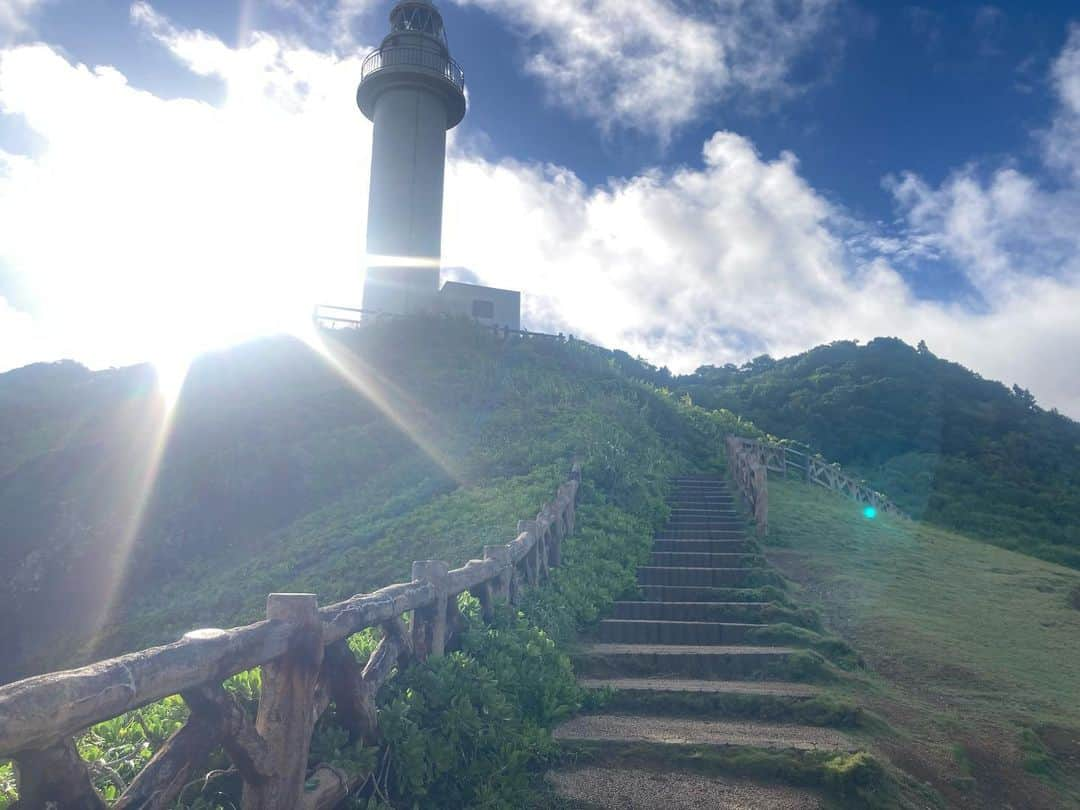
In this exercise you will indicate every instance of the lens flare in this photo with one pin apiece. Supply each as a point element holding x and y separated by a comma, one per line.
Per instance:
<point>869,513</point>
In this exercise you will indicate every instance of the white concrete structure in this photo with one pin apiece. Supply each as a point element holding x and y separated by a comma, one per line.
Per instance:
<point>414,93</point>
<point>488,305</point>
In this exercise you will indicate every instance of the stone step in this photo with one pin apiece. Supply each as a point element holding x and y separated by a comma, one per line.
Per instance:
<point>615,787</point>
<point>731,517</point>
<point>691,500</point>
<point>707,577</point>
<point>700,494</point>
<point>731,546</point>
<point>733,533</point>
<point>703,516</point>
<point>733,525</point>
<point>775,689</point>
<point>652,631</point>
<point>622,730</point>
<point>752,612</point>
<point>691,593</point>
<point>722,662</point>
<point>692,559</point>
<point>694,520</point>
<point>699,501</point>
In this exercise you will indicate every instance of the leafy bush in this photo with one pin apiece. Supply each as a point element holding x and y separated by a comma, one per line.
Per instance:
<point>534,674</point>
<point>453,732</point>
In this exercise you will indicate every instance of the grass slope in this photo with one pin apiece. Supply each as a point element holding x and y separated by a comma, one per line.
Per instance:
<point>289,469</point>
<point>973,648</point>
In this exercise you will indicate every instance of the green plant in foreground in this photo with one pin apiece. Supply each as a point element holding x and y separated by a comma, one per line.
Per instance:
<point>1037,759</point>
<point>8,794</point>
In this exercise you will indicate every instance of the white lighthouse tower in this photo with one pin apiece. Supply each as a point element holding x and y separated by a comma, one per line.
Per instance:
<point>413,92</point>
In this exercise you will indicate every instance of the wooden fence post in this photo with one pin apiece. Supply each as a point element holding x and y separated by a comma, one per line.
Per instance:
<point>534,560</point>
<point>501,555</point>
<point>286,715</point>
<point>55,777</point>
<point>761,498</point>
<point>429,623</point>
<point>354,702</point>
<point>559,529</point>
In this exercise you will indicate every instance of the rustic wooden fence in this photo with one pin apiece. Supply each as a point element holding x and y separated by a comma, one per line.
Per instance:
<point>306,664</point>
<point>751,478</point>
<point>750,461</point>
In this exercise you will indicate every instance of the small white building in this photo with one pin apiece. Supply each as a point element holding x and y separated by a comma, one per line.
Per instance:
<point>414,93</point>
<point>488,305</point>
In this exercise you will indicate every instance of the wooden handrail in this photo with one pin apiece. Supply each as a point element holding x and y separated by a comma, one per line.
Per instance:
<point>745,456</point>
<point>305,664</point>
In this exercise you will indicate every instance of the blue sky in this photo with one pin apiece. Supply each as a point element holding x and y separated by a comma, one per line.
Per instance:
<point>692,181</point>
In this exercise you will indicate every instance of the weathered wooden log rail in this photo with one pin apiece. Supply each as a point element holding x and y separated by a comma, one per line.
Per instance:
<point>751,479</point>
<point>306,664</point>
<point>750,461</point>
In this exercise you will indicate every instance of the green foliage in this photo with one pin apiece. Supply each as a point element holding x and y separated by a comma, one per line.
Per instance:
<point>853,774</point>
<point>455,734</point>
<point>116,750</point>
<point>599,564</point>
<point>948,446</point>
<point>8,794</point>
<point>835,649</point>
<point>1037,759</point>
<point>802,666</point>
<point>536,677</point>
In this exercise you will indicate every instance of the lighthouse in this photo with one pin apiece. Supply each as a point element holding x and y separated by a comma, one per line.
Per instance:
<point>414,93</point>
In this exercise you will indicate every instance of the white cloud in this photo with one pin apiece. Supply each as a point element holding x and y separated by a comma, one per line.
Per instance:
<point>21,339</point>
<point>736,258</point>
<point>1015,236</point>
<point>655,65</point>
<point>145,220</point>
<point>15,16</point>
<point>1062,142</point>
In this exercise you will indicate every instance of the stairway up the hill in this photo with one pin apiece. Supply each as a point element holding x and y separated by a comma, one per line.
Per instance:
<point>689,634</point>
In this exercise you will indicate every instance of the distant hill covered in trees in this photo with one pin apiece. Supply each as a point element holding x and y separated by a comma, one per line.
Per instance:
<point>947,445</point>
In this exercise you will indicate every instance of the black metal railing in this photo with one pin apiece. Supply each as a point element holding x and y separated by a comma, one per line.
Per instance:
<point>414,57</point>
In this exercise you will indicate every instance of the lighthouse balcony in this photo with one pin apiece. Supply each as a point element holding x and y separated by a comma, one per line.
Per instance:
<point>405,56</point>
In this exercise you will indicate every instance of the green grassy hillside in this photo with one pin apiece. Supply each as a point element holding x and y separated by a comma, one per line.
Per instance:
<point>286,468</point>
<point>973,649</point>
<point>950,447</point>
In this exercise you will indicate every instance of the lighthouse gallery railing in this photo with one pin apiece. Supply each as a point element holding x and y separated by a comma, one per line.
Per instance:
<point>414,57</point>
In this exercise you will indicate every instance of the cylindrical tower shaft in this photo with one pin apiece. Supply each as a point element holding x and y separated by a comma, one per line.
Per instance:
<point>413,92</point>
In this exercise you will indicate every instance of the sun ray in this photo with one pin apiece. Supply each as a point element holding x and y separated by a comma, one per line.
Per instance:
<point>409,416</point>
<point>147,433</point>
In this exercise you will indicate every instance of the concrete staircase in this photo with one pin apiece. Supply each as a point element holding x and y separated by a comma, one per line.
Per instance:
<point>689,633</point>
